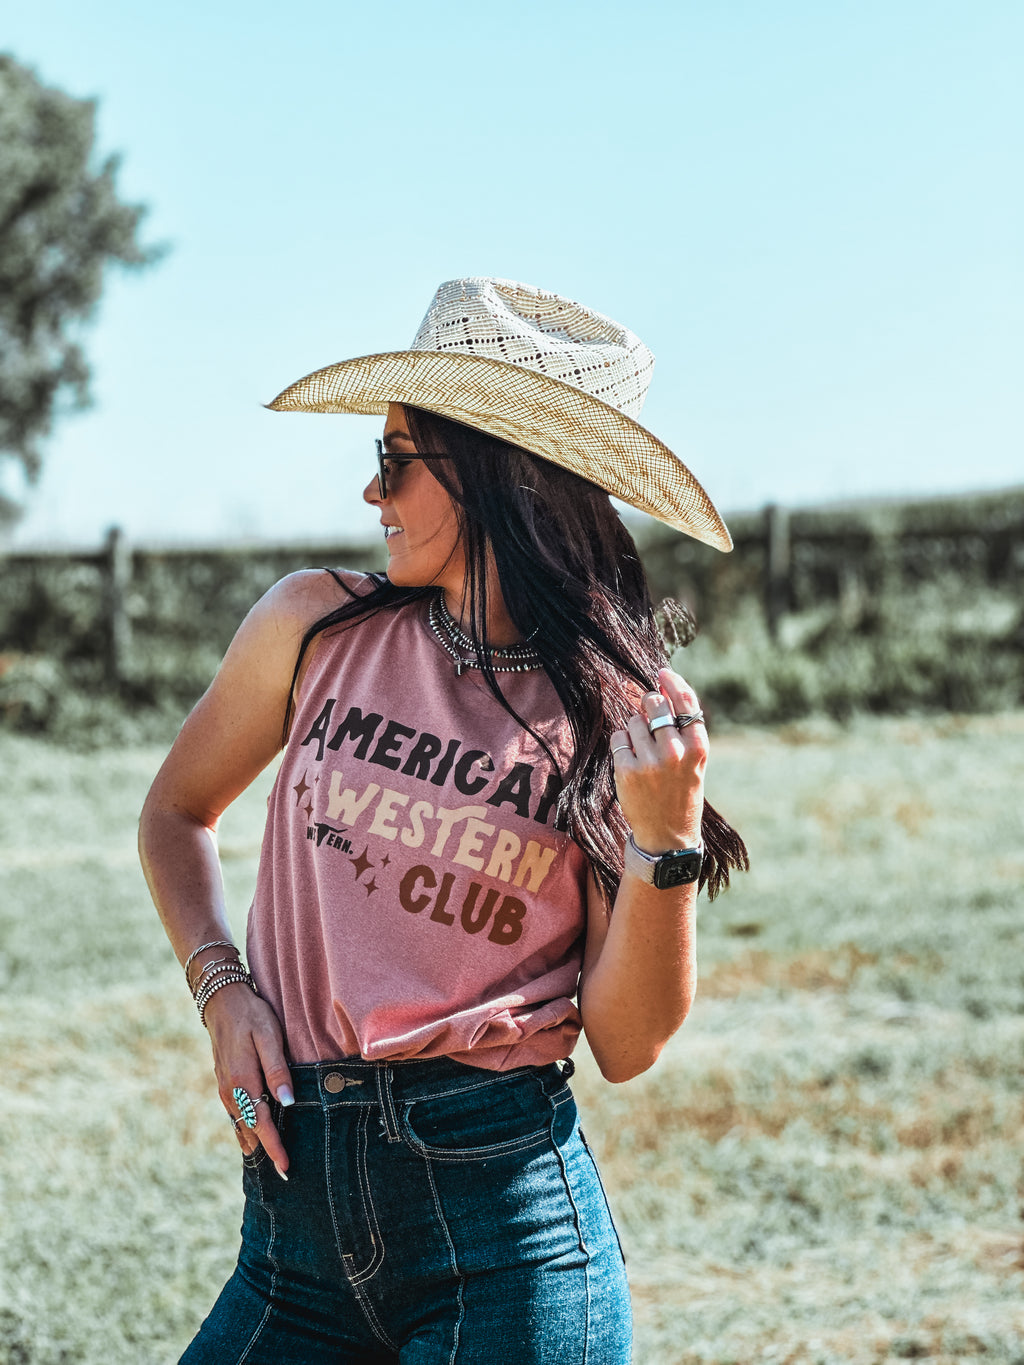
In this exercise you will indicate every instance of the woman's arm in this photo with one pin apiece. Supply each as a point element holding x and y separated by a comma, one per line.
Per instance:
<point>233,732</point>
<point>640,965</point>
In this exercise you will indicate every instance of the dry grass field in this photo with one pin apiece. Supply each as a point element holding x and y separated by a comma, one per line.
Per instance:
<point>825,1166</point>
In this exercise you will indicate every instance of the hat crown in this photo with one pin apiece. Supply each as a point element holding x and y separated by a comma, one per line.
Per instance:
<point>537,330</point>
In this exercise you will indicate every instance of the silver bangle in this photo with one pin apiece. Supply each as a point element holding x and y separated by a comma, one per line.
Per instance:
<point>212,990</point>
<point>239,973</point>
<point>214,943</point>
<point>205,977</point>
<point>215,962</point>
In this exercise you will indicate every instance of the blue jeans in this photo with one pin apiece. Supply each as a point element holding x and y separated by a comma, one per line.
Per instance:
<point>435,1214</point>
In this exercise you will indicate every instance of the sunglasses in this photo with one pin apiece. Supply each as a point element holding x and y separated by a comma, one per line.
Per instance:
<point>397,462</point>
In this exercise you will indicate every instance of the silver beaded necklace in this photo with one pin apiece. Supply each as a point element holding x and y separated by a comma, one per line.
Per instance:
<point>450,636</point>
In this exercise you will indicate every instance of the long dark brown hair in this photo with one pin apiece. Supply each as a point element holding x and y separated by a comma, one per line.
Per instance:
<point>572,581</point>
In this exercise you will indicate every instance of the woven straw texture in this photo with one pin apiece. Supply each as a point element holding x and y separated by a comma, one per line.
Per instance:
<point>538,371</point>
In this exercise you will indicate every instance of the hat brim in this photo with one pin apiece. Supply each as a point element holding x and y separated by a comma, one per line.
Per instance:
<point>543,415</point>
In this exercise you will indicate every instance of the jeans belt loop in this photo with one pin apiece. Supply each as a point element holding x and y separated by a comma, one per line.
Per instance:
<point>385,1094</point>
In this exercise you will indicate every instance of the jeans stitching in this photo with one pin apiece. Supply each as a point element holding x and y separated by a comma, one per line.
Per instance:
<point>369,1313</point>
<point>579,1236</point>
<point>604,1192</point>
<point>455,1261</point>
<point>466,1154</point>
<point>276,1270</point>
<point>499,1078</point>
<point>387,1104</point>
<point>329,1184</point>
<point>369,1211</point>
<point>356,1280</point>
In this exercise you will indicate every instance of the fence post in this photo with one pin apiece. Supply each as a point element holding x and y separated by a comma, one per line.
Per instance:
<point>776,567</point>
<point>117,575</point>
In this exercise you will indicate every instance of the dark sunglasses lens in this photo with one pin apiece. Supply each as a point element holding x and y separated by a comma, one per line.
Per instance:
<point>382,478</point>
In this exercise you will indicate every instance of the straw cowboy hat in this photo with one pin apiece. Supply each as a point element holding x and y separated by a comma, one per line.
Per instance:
<point>539,371</point>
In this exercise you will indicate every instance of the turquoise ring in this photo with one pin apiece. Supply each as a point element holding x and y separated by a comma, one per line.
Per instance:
<point>246,1106</point>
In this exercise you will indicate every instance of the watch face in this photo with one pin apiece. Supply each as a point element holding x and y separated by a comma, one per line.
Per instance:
<point>678,869</point>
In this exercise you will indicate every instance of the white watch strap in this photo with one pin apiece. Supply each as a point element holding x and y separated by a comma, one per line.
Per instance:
<point>640,864</point>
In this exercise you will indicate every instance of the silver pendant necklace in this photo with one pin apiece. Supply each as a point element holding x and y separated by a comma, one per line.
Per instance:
<point>450,636</point>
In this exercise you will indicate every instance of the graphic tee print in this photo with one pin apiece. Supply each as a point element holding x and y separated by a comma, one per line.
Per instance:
<point>414,898</point>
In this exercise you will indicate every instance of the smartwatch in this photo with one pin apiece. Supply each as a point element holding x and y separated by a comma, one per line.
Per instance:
<point>663,870</point>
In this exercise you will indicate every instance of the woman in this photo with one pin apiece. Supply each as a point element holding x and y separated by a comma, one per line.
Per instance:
<point>490,801</point>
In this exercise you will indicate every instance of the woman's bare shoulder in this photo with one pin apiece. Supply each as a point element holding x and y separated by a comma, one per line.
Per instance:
<point>301,598</point>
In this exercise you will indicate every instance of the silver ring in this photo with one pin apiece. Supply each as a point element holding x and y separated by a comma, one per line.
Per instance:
<point>622,748</point>
<point>659,723</point>
<point>681,722</point>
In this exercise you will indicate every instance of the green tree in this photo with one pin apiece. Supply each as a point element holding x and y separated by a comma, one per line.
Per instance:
<point>61,224</point>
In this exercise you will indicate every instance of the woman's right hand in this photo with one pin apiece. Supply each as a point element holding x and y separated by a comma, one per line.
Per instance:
<point>248,1052</point>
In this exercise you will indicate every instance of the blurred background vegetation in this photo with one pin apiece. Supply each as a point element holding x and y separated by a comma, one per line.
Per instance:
<point>62,225</point>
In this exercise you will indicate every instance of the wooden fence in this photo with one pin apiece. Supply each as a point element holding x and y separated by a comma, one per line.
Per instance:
<point>845,555</point>
<point>98,603</point>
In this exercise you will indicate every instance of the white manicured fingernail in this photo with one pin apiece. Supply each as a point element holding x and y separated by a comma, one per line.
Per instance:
<point>285,1096</point>
<point>281,1173</point>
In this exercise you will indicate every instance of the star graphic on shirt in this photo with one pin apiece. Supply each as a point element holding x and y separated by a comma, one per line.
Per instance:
<point>371,886</point>
<point>361,864</point>
<point>301,788</point>
<point>385,860</point>
<point>308,808</point>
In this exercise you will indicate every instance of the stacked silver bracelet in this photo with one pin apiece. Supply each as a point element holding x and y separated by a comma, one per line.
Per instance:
<point>215,974</point>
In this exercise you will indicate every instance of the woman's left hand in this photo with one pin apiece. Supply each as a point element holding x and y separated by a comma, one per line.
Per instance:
<point>640,964</point>
<point>659,777</point>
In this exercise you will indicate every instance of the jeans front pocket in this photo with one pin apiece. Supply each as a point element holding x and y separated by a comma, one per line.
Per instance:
<point>252,1161</point>
<point>509,1114</point>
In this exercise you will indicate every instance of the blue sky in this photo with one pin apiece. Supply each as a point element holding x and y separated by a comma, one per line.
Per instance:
<point>811,212</point>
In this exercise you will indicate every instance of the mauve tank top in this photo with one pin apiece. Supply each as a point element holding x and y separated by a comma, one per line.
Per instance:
<point>413,897</point>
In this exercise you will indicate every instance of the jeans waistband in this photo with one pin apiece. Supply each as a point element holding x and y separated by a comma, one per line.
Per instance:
<point>355,1081</point>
